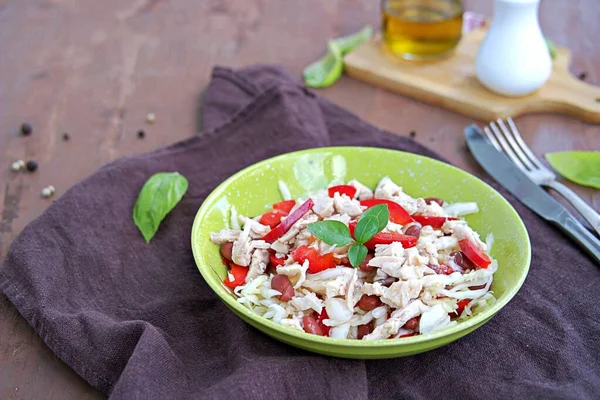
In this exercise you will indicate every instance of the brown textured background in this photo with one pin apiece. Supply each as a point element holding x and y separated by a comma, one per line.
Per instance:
<point>94,69</point>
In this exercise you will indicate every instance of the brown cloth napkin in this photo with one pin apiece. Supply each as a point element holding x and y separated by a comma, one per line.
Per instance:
<point>137,321</point>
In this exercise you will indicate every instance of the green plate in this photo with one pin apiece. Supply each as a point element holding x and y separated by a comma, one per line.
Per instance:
<point>253,190</point>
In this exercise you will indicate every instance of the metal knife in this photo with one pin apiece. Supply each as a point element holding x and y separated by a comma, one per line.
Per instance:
<point>502,169</point>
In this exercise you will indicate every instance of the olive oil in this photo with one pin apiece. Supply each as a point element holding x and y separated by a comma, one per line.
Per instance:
<point>421,29</point>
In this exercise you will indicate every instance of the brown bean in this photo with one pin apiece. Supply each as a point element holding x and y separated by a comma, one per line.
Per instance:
<point>368,303</point>
<point>413,230</point>
<point>430,200</point>
<point>311,325</point>
<point>412,324</point>
<point>364,330</point>
<point>387,282</point>
<point>461,260</point>
<point>364,267</point>
<point>282,284</point>
<point>477,287</point>
<point>226,250</point>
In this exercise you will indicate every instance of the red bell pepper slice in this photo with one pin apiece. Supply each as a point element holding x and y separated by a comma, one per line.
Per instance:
<point>316,261</point>
<point>272,218</point>
<point>287,223</point>
<point>386,238</point>
<point>274,260</point>
<point>322,317</point>
<point>398,214</point>
<point>433,221</point>
<point>461,304</point>
<point>239,276</point>
<point>285,206</point>
<point>348,190</point>
<point>478,257</point>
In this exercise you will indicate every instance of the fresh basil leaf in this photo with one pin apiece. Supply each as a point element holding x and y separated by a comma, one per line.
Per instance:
<point>159,195</point>
<point>582,167</point>
<point>365,229</point>
<point>371,222</point>
<point>331,232</point>
<point>357,254</point>
<point>351,42</point>
<point>551,49</point>
<point>328,69</point>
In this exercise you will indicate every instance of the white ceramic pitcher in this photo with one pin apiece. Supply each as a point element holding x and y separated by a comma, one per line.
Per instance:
<point>513,59</point>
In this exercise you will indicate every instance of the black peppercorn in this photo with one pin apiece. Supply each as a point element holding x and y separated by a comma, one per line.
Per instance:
<point>26,129</point>
<point>413,134</point>
<point>582,76</point>
<point>31,166</point>
<point>66,137</point>
<point>141,134</point>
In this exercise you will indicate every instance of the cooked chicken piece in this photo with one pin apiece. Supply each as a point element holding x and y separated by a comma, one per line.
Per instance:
<point>345,205</point>
<point>295,272</point>
<point>380,275</point>
<point>353,290</point>
<point>400,293</point>
<point>280,247</point>
<point>408,272</point>
<point>289,235</point>
<point>337,287</point>
<point>460,230</point>
<point>397,321</point>
<point>375,288</point>
<point>343,218</point>
<point>260,244</point>
<point>432,208</point>
<point>224,236</point>
<point>386,189</point>
<point>414,258</point>
<point>392,227</point>
<point>258,265</point>
<point>395,250</point>
<point>242,249</point>
<point>323,206</point>
<point>307,302</point>
<point>257,230</point>
<point>362,192</point>
<point>307,220</point>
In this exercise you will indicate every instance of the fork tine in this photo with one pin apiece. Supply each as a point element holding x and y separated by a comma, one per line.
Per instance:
<point>509,137</point>
<point>505,146</point>
<point>491,138</point>
<point>536,161</point>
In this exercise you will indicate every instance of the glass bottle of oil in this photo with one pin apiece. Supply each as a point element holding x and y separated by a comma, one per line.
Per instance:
<point>421,29</point>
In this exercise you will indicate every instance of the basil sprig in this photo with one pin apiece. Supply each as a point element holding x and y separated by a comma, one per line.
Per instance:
<point>159,195</point>
<point>371,222</point>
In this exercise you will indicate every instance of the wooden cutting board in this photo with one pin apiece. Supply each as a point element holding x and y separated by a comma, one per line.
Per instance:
<point>452,84</point>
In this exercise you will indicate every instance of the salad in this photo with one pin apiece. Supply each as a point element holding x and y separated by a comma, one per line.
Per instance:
<point>349,262</point>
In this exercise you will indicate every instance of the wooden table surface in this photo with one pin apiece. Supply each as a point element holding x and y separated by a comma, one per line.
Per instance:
<point>95,68</point>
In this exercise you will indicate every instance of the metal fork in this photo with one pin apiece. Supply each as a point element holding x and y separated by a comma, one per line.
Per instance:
<point>508,140</point>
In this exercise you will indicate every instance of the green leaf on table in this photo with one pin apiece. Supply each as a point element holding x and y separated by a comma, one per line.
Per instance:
<point>357,254</point>
<point>331,232</point>
<point>328,69</point>
<point>371,222</point>
<point>582,167</point>
<point>325,71</point>
<point>159,195</point>
<point>551,48</point>
<point>351,42</point>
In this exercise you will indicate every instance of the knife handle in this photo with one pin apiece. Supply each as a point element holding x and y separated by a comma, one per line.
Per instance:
<point>581,235</point>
